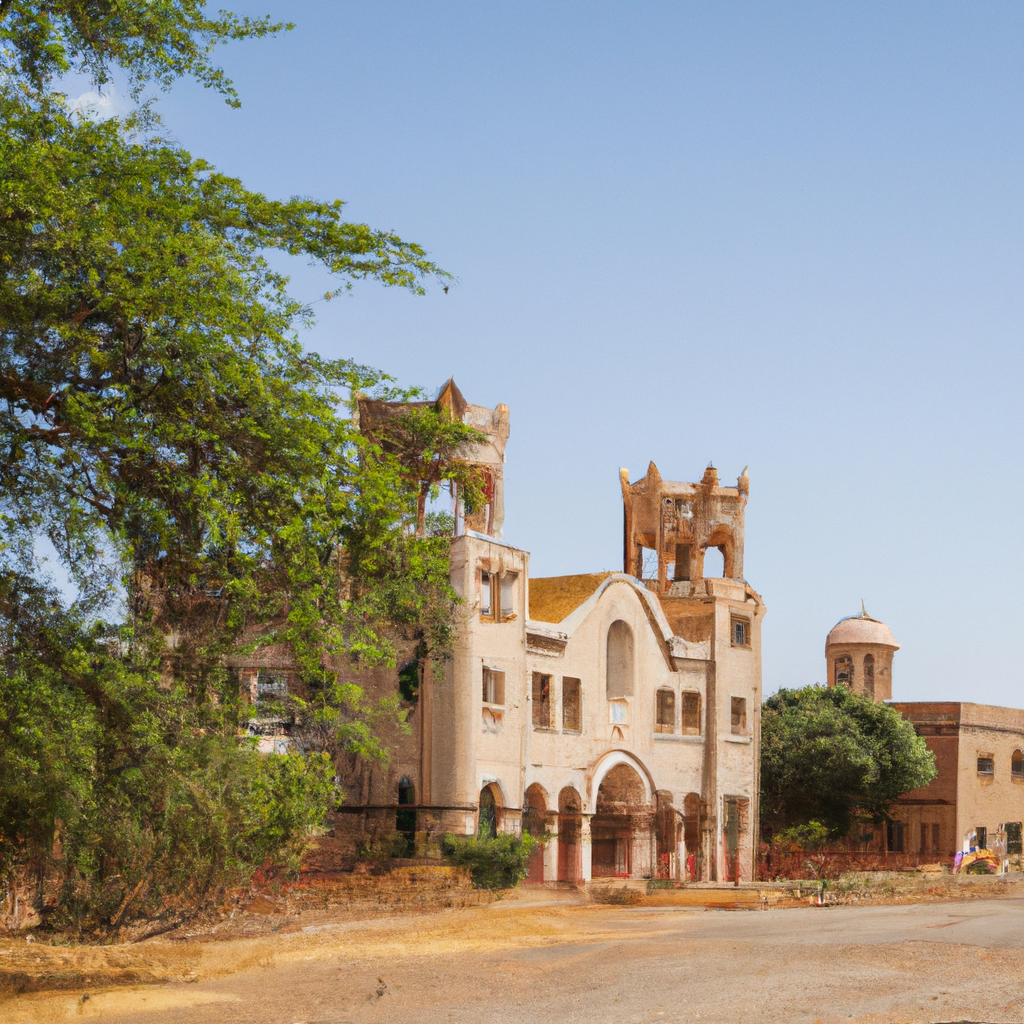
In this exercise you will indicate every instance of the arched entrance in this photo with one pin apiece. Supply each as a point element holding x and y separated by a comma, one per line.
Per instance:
<point>535,812</point>
<point>570,829</point>
<point>622,832</point>
<point>490,804</point>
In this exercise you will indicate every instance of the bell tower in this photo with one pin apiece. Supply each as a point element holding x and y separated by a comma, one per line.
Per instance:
<point>679,522</point>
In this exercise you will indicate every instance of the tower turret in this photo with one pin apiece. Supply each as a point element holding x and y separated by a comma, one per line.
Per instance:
<point>858,655</point>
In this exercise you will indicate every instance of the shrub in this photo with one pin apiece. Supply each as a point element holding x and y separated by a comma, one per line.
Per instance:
<point>498,863</point>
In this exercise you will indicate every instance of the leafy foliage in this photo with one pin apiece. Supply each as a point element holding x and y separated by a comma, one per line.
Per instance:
<point>158,41</point>
<point>498,862</point>
<point>830,758</point>
<point>198,475</point>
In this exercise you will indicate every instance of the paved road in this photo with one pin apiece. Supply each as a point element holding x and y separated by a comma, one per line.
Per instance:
<point>923,963</point>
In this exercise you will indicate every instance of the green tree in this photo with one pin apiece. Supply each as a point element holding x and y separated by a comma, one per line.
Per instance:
<point>194,468</point>
<point>831,758</point>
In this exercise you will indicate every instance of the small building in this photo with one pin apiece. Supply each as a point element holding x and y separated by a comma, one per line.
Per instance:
<point>977,798</point>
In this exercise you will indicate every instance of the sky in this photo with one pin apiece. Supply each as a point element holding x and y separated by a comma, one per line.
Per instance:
<point>785,235</point>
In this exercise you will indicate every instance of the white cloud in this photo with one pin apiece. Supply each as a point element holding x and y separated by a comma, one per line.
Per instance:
<point>98,105</point>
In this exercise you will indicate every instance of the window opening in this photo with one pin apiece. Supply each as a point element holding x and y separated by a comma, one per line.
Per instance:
<point>691,714</point>
<point>844,671</point>
<point>869,676</point>
<point>541,701</point>
<point>714,563</point>
<point>405,820</point>
<point>986,766</point>
<point>493,686</point>
<point>508,595</point>
<point>739,716</point>
<point>619,680</point>
<point>681,568</point>
<point>740,633</point>
<point>666,714</point>
<point>486,593</point>
<point>936,834</point>
<point>894,836</point>
<point>1017,765</point>
<point>409,681</point>
<point>1014,845</point>
<point>981,837</point>
<point>572,719</point>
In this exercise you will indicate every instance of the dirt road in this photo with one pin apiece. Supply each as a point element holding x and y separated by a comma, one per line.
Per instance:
<point>524,961</point>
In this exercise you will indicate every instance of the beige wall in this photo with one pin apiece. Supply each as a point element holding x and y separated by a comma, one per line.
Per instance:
<point>476,744</point>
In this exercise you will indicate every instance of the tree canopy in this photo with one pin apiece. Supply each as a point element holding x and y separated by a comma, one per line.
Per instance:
<point>835,758</point>
<point>197,472</point>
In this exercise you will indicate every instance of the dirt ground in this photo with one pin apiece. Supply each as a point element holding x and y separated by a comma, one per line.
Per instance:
<point>547,956</point>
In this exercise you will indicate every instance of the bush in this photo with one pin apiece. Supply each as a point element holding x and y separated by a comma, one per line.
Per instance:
<point>498,863</point>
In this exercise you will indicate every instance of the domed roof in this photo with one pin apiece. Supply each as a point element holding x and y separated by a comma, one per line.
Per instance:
<point>862,629</point>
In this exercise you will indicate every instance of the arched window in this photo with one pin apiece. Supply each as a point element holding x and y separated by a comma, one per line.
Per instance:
<point>620,660</point>
<point>405,816</point>
<point>869,676</point>
<point>1017,765</point>
<point>844,671</point>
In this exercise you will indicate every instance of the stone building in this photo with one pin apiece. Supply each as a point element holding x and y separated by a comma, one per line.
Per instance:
<point>617,713</point>
<point>977,798</point>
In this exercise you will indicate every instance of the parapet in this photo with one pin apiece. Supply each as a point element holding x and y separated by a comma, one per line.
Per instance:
<point>679,522</point>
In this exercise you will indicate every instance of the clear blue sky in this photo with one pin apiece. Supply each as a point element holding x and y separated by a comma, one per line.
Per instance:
<point>781,234</point>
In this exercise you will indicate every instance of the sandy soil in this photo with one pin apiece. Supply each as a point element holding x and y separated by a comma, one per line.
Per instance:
<point>545,957</point>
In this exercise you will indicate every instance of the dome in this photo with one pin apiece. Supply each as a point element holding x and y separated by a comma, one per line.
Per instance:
<point>862,629</point>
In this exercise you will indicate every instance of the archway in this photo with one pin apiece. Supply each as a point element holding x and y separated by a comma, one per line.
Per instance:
<point>570,828</point>
<point>622,827</point>
<point>490,810</point>
<point>535,814</point>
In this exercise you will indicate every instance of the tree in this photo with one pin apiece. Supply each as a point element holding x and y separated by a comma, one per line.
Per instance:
<point>832,757</point>
<point>194,468</point>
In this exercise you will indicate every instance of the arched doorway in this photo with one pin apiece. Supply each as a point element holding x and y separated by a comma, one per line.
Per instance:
<point>622,827</point>
<point>487,827</point>
<point>405,820</point>
<point>535,812</point>
<point>570,829</point>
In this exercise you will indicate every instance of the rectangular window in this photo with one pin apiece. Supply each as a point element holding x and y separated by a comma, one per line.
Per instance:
<point>739,716</point>
<point>572,719</point>
<point>936,835</point>
<point>982,837</point>
<point>986,766</point>
<point>1014,846</point>
<point>666,715</point>
<point>740,632</point>
<point>508,595</point>
<point>541,701</point>
<point>925,836</point>
<point>494,686</point>
<point>691,714</point>
<point>486,593</point>
<point>894,836</point>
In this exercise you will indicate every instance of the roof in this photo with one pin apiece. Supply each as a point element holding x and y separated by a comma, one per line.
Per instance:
<point>862,629</point>
<point>555,598</point>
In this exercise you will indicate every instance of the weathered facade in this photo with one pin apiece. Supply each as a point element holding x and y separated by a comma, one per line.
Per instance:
<point>616,713</point>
